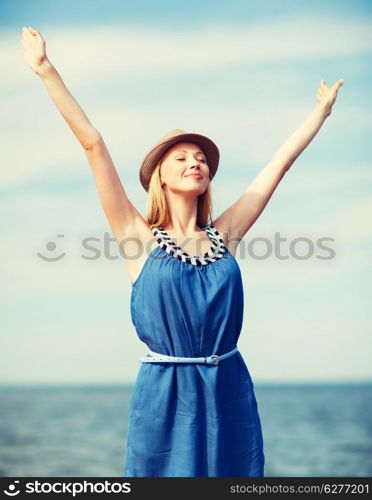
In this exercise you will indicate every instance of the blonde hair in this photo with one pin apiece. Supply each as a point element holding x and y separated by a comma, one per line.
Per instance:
<point>157,209</point>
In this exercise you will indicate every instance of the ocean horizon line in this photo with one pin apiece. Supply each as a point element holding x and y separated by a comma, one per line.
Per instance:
<point>130,385</point>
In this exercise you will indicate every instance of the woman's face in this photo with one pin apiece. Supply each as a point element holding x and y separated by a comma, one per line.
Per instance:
<point>185,169</point>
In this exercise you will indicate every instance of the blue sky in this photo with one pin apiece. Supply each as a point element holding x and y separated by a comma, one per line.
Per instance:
<point>243,73</point>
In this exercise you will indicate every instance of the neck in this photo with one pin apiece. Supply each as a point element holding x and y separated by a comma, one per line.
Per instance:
<point>182,214</point>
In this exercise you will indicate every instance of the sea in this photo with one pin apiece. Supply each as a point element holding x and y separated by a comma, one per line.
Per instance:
<point>309,430</point>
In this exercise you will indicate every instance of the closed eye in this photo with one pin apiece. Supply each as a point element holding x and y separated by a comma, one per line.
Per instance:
<point>182,159</point>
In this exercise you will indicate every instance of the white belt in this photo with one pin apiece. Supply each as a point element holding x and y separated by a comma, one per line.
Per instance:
<point>214,359</point>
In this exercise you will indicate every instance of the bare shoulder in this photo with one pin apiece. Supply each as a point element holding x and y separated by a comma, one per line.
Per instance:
<point>136,238</point>
<point>136,242</point>
<point>222,224</point>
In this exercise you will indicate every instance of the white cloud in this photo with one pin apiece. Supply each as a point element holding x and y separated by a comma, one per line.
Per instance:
<point>129,132</point>
<point>353,222</point>
<point>49,215</point>
<point>106,52</point>
<point>35,138</point>
<point>50,145</point>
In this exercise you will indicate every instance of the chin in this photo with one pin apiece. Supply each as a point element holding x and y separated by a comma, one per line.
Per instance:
<point>196,190</point>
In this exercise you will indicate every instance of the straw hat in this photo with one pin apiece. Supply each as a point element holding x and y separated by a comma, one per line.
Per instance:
<point>177,135</point>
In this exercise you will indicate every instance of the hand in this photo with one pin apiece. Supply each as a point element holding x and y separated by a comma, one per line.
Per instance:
<point>33,48</point>
<point>327,96</point>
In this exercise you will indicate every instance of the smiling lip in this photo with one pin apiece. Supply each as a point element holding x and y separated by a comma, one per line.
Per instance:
<point>196,176</point>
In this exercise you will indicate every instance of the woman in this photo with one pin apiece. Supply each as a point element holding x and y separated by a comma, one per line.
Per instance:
<point>193,411</point>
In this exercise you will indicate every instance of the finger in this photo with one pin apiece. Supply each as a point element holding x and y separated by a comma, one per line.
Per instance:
<point>337,85</point>
<point>36,33</point>
<point>27,33</point>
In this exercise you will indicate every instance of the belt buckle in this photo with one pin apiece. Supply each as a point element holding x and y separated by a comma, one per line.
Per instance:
<point>216,356</point>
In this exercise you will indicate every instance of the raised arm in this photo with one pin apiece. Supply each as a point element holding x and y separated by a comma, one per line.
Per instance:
<point>239,217</point>
<point>122,215</point>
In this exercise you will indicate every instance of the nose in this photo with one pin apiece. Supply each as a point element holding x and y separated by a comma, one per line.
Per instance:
<point>194,163</point>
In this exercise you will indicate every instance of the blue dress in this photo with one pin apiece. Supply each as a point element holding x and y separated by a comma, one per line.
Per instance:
<point>192,420</point>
